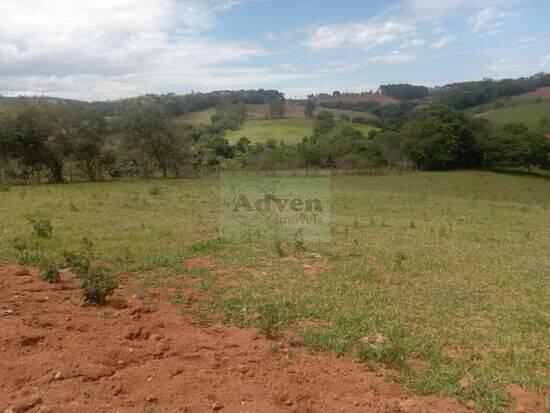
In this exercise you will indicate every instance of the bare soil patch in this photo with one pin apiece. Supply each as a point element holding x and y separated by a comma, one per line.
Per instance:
<point>540,93</point>
<point>378,98</point>
<point>60,355</point>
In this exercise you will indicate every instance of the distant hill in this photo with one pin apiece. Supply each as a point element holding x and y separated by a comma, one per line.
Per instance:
<point>9,100</point>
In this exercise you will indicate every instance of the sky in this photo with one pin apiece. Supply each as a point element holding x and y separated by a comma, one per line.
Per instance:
<point>110,49</point>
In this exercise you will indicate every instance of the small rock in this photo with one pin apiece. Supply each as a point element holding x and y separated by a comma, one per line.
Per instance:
<point>58,376</point>
<point>6,312</point>
<point>217,406</point>
<point>464,383</point>
<point>243,368</point>
<point>375,340</point>
<point>151,399</point>
<point>289,402</point>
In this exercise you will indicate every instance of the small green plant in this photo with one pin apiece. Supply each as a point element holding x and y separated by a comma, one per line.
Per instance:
<point>42,228</point>
<point>79,260</point>
<point>400,257</point>
<point>98,283</point>
<point>22,249</point>
<point>299,243</point>
<point>49,271</point>
<point>279,248</point>
<point>155,191</point>
<point>4,187</point>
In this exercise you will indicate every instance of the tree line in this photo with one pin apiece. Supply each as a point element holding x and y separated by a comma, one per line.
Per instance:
<point>65,140</point>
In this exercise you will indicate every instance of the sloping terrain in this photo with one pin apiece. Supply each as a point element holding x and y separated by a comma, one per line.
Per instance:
<point>528,112</point>
<point>541,93</point>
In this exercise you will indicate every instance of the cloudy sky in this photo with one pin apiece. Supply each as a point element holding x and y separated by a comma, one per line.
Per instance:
<point>107,49</point>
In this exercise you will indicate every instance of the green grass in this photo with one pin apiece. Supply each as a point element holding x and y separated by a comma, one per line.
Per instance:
<point>290,131</point>
<point>530,113</point>
<point>452,267</point>
<point>197,118</point>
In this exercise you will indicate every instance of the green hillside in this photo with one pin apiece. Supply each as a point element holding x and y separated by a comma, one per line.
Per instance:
<point>530,113</point>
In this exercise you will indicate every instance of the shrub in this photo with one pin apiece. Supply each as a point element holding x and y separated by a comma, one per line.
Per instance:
<point>98,283</point>
<point>4,187</point>
<point>42,228</point>
<point>155,191</point>
<point>79,261</point>
<point>49,271</point>
<point>22,248</point>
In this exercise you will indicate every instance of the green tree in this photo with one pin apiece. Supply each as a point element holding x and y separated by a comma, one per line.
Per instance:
<point>516,146</point>
<point>277,107</point>
<point>148,132</point>
<point>324,122</point>
<point>309,110</point>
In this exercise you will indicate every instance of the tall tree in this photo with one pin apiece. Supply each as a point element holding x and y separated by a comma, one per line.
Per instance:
<point>147,131</point>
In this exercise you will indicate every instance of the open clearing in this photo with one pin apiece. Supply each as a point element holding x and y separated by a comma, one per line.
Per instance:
<point>447,272</point>
<point>288,130</point>
<point>529,113</point>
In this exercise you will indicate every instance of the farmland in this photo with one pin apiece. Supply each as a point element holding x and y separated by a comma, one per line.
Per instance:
<point>450,268</point>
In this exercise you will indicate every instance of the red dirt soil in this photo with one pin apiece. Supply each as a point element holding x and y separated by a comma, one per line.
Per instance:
<point>60,355</point>
<point>377,97</point>
<point>542,93</point>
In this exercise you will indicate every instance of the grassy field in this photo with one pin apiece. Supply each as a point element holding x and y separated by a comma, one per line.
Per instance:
<point>197,118</point>
<point>451,268</point>
<point>530,113</point>
<point>288,130</point>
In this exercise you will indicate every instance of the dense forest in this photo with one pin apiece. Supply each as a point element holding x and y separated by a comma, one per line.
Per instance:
<point>59,140</point>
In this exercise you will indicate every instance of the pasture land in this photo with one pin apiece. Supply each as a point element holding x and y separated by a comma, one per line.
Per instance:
<point>197,118</point>
<point>528,112</point>
<point>442,275</point>
<point>290,131</point>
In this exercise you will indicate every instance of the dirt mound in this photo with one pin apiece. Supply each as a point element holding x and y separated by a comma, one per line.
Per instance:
<point>60,355</point>
<point>540,93</point>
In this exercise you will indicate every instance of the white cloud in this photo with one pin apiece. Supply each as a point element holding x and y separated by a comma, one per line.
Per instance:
<point>488,20</point>
<point>416,42</point>
<point>545,62</point>
<point>106,48</point>
<point>444,41</point>
<point>365,35</point>
<point>505,64</point>
<point>394,58</point>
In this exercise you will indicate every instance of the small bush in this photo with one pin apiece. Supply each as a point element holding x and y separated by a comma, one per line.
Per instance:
<point>42,228</point>
<point>98,283</point>
<point>79,261</point>
<point>155,191</point>
<point>49,271</point>
<point>4,187</point>
<point>279,248</point>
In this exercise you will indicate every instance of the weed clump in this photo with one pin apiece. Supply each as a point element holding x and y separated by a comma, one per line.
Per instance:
<point>49,271</point>
<point>155,191</point>
<point>42,228</point>
<point>279,248</point>
<point>98,282</point>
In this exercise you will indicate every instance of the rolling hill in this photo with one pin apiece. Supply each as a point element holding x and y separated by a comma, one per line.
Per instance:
<point>528,112</point>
